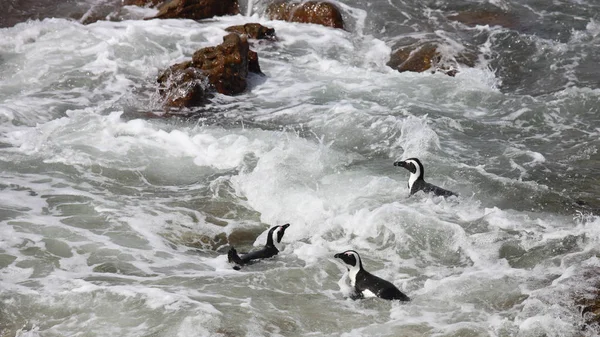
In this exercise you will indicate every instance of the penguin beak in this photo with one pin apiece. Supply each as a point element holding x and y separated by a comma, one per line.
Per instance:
<point>399,163</point>
<point>337,256</point>
<point>285,226</point>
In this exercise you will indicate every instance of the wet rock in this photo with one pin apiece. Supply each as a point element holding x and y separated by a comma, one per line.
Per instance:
<point>317,12</point>
<point>223,67</point>
<point>183,85</point>
<point>254,31</point>
<point>485,17</point>
<point>427,56</point>
<point>415,59</point>
<point>244,236</point>
<point>197,9</point>
<point>119,267</point>
<point>143,3</point>
<point>203,241</point>
<point>587,298</point>
<point>226,65</point>
<point>253,65</point>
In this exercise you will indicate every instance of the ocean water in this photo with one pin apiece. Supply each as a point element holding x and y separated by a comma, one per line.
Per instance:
<point>115,218</point>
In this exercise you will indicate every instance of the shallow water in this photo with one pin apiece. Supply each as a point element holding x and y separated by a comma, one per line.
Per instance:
<point>114,223</point>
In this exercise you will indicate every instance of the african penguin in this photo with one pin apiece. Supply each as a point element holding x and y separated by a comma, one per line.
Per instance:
<point>366,284</point>
<point>416,182</point>
<point>272,247</point>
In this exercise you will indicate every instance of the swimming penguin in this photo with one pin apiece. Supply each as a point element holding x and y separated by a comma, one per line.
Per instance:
<point>366,284</point>
<point>272,247</point>
<point>416,182</point>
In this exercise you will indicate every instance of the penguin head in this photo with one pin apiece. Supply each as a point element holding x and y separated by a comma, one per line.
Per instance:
<point>414,166</point>
<point>351,260</point>
<point>275,236</point>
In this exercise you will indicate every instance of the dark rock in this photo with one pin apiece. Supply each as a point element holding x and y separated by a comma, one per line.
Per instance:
<point>485,17</point>
<point>317,12</point>
<point>203,241</point>
<point>416,59</point>
<point>142,3</point>
<point>244,236</point>
<point>223,67</point>
<point>419,58</point>
<point>226,65</point>
<point>587,298</point>
<point>254,31</point>
<point>253,65</point>
<point>182,85</point>
<point>197,9</point>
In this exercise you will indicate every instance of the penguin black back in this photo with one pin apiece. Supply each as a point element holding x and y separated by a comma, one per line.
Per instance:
<point>271,248</point>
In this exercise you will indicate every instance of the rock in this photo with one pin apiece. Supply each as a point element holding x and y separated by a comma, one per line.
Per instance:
<point>183,85</point>
<point>485,17</point>
<point>223,67</point>
<point>142,3</point>
<point>415,59</point>
<point>226,65</point>
<point>244,236</point>
<point>253,65</point>
<point>197,9</point>
<point>254,31</point>
<point>203,241</point>
<point>587,298</point>
<point>317,12</point>
<point>427,56</point>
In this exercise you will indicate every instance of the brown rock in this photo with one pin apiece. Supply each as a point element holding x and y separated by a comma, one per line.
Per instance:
<point>243,236</point>
<point>197,9</point>
<point>226,65</point>
<point>492,18</point>
<point>253,65</point>
<point>182,85</point>
<point>318,12</point>
<point>143,3</point>
<point>201,241</point>
<point>254,31</point>
<point>419,58</point>
<point>415,59</point>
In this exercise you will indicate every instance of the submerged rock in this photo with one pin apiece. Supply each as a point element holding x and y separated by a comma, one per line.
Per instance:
<point>254,31</point>
<point>253,65</point>
<point>143,3</point>
<point>223,67</point>
<point>427,56</point>
<point>416,59</point>
<point>201,241</point>
<point>485,17</point>
<point>182,85</point>
<point>317,12</point>
<point>197,9</point>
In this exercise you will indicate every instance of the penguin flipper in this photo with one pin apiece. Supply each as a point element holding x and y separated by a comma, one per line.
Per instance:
<point>234,259</point>
<point>356,294</point>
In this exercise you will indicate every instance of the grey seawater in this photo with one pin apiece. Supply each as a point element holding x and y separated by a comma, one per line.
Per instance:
<point>113,223</point>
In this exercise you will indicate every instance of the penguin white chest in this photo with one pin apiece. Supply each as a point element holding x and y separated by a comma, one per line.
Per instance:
<point>411,180</point>
<point>352,276</point>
